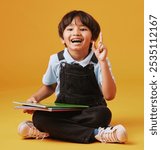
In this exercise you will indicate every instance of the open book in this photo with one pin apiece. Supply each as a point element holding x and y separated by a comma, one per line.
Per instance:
<point>49,107</point>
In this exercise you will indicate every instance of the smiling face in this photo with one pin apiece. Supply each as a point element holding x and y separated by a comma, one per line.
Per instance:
<point>76,36</point>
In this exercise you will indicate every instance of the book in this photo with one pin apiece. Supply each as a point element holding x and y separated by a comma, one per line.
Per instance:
<point>49,107</point>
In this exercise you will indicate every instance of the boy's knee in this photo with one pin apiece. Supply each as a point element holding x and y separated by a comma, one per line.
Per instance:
<point>104,114</point>
<point>101,116</point>
<point>109,115</point>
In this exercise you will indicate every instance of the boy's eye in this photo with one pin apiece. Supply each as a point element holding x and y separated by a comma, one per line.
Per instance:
<point>69,29</point>
<point>83,29</point>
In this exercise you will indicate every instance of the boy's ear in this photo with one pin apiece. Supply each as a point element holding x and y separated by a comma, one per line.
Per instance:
<point>62,40</point>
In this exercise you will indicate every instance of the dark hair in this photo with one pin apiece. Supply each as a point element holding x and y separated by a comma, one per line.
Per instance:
<point>86,20</point>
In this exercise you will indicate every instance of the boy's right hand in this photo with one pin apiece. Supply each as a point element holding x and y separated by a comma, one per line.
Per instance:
<point>30,100</point>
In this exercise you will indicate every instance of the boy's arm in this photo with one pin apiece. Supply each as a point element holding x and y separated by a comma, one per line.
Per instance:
<point>44,92</point>
<point>108,84</point>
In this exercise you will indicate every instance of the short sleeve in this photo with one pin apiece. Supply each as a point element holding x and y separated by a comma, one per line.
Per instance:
<point>50,75</point>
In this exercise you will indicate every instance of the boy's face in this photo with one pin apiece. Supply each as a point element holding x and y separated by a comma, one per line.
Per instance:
<point>77,36</point>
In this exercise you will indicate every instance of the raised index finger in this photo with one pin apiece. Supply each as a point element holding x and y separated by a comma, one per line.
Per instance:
<point>101,37</point>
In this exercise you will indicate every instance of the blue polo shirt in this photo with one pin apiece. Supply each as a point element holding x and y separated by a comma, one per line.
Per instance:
<point>52,74</point>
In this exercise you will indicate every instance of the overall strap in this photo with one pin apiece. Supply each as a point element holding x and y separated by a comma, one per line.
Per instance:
<point>60,55</point>
<point>94,58</point>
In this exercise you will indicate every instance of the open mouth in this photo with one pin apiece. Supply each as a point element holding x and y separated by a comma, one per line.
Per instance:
<point>76,40</point>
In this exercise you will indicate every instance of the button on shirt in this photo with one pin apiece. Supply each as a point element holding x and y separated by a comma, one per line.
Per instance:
<point>52,74</point>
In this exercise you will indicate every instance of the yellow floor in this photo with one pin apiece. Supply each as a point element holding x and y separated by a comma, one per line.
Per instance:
<point>127,109</point>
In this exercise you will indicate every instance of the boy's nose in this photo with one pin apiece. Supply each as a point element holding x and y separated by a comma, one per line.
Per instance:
<point>76,32</point>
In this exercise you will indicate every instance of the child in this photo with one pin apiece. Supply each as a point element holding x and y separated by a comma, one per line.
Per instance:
<point>80,74</point>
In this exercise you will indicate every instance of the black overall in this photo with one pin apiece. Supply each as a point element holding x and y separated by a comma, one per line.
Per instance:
<point>78,85</point>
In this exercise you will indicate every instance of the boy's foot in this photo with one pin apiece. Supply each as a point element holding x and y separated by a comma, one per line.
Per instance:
<point>116,134</point>
<point>26,129</point>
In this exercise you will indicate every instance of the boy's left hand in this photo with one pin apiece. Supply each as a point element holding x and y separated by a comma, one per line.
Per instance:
<point>100,50</point>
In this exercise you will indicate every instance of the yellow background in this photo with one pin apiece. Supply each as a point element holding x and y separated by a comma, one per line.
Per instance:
<point>28,36</point>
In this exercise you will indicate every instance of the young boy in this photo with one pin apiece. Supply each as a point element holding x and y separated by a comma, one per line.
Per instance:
<point>80,74</point>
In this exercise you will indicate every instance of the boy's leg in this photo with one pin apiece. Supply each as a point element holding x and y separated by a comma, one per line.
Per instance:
<point>73,126</point>
<point>99,116</point>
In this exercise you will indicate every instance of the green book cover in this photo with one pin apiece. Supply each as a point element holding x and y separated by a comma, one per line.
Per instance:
<point>64,105</point>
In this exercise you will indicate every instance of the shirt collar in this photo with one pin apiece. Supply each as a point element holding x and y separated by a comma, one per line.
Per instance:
<point>83,62</point>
